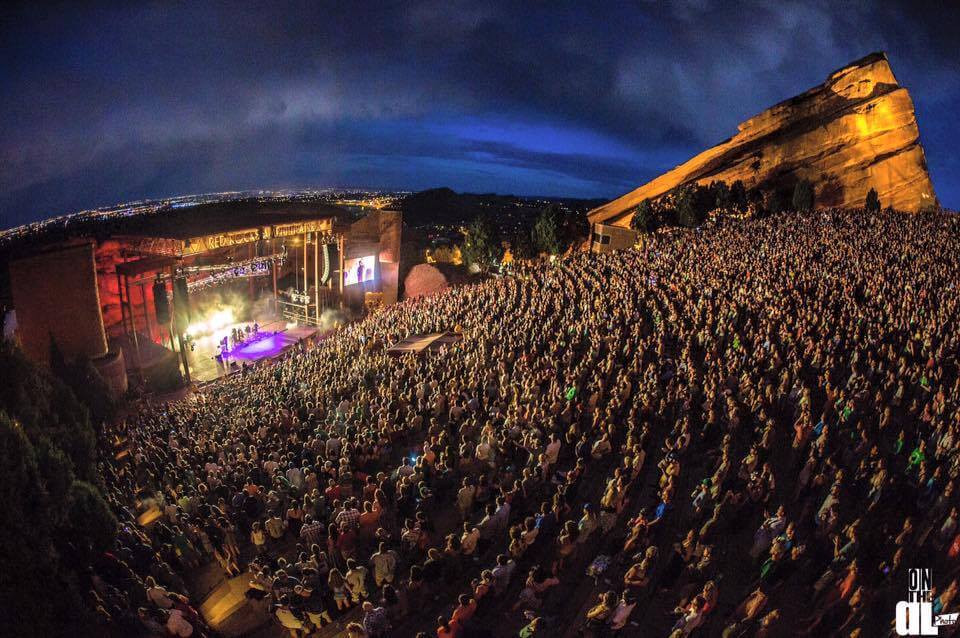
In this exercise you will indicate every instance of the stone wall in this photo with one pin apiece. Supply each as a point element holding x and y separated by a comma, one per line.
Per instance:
<point>56,298</point>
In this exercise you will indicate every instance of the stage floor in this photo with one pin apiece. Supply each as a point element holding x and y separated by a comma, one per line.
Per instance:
<point>274,339</point>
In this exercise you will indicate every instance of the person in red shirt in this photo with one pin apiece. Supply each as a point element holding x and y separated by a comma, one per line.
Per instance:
<point>445,629</point>
<point>482,587</point>
<point>347,542</point>
<point>369,522</point>
<point>464,611</point>
<point>332,492</point>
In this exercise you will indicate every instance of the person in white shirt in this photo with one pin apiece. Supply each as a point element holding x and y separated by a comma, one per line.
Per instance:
<point>553,450</point>
<point>270,466</point>
<point>177,625</point>
<point>157,594</point>
<point>691,617</point>
<point>295,476</point>
<point>484,452</point>
<point>621,613</point>
<point>465,498</point>
<point>384,564</point>
<point>405,469</point>
<point>276,526</point>
<point>290,621</point>
<point>469,539</point>
<point>259,538</point>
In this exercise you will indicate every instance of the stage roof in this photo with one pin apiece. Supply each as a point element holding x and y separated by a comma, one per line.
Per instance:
<point>224,217</point>
<point>197,229</point>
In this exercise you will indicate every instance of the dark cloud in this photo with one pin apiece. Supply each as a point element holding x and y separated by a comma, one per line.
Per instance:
<point>105,103</point>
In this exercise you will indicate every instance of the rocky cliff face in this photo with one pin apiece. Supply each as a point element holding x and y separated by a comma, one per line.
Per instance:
<point>855,131</point>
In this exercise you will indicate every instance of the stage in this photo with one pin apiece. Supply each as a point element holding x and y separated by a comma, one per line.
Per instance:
<point>271,340</point>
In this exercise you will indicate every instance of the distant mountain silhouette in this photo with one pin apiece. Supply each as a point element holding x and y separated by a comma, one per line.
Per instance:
<point>445,206</point>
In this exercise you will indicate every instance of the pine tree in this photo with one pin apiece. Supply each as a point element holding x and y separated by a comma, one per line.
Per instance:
<point>56,522</point>
<point>482,244</point>
<point>775,202</point>
<point>686,207</point>
<point>722,196</point>
<point>738,196</point>
<point>803,196</point>
<point>521,245</point>
<point>642,219</point>
<point>872,204</point>
<point>547,230</point>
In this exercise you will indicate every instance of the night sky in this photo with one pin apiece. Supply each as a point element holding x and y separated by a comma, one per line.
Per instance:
<point>100,105</point>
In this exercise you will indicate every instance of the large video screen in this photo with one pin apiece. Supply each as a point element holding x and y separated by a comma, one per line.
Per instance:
<point>358,270</point>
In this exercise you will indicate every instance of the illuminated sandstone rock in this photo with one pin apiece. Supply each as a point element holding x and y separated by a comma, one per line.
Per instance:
<point>855,131</point>
<point>424,279</point>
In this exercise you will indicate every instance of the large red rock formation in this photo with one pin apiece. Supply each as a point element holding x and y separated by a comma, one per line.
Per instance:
<point>855,131</point>
<point>424,279</point>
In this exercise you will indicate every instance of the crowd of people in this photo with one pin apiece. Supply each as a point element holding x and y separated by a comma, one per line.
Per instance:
<point>742,430</point>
